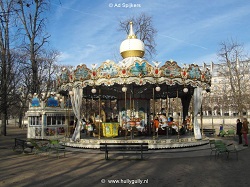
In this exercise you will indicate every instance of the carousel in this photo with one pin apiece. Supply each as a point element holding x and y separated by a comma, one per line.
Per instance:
<point>119,99</point>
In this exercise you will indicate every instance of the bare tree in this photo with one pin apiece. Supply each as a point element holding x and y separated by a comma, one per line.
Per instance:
<point>23,86</point>
<point>47,71</point>
<point>46,78</point>
<point>31,60</point>
<point>234,69</point>
<point>144,30</point>
<point>31,14</point>
<point>6,66</point>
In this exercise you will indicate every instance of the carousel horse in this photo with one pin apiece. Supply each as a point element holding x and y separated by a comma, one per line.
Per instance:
<point>126,124</point>
<point>173,125</point>
<point>163,121</point>
<point>141,126</point>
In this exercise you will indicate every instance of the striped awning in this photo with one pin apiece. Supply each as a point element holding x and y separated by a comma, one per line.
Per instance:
<point>55,114</point>
<point>28,114</point>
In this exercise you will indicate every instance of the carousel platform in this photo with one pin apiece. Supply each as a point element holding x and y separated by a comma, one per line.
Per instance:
<point>160,142</point>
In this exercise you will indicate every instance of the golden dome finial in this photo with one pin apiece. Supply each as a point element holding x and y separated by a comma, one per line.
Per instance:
<point>132,47</point>
<point>131,32</point>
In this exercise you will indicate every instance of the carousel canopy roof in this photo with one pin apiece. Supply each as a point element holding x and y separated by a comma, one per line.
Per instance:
<point>140,78</point>
<point>138,75</point>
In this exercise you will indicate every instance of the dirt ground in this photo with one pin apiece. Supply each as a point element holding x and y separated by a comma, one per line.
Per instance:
<point>189,167</point>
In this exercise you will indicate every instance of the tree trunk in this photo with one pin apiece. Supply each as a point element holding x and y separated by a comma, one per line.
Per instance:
<point>20,119</point>
<point>3,124</point>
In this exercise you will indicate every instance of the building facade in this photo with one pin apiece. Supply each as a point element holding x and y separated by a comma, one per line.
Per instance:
<point>230,90</point>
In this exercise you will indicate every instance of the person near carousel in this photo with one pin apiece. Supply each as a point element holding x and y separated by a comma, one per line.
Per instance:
<point>244,131</point>
<point>222,132</point>
<point>238,130</point>
<point>156,125</point>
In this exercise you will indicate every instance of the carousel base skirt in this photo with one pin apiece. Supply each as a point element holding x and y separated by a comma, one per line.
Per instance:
<point>157,143</point>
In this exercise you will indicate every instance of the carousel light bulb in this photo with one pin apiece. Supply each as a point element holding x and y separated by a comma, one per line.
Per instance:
<point>185,90</point>
<point>71,93</point>
<point>124,88</point>
<point>93,90</point>
<point>157,88</point>
<point>55,98</point>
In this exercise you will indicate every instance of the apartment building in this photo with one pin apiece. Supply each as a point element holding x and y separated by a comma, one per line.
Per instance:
<point>230,89</point>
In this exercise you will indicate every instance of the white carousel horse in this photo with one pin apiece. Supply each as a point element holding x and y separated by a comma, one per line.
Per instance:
<point>175,127</point>
<point>163,121</point>
<point>141,126</point>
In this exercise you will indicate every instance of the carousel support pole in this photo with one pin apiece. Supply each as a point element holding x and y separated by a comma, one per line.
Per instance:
<point>161,106</point>
<point>166,110</point>
<point>153,113</point>
<point>86,110</point>
<point>133,108</point>
<point>169,105</point>
<point>99,114</point>
<point>192,115</point>
<point>124,89</point>
<point>66,119</point>
<point>133,117</point>
<point>68,116</point>
<point>201,120</point>
<point>125,106</point>
<point>177,108</point>
<point>130,104</point>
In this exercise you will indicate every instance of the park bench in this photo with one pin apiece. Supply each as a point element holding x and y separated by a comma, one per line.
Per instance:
<point>123,147</point>
<point>23,144</point>
<point>209,131</point>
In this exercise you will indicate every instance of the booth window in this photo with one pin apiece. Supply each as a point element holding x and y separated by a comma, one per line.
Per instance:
<point>55,120</point>
<point>35,120</point>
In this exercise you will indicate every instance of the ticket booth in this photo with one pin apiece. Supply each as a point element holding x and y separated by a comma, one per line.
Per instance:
<point>49,118</point>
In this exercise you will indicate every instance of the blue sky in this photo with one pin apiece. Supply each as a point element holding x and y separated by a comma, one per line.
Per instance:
<point>189,31</point>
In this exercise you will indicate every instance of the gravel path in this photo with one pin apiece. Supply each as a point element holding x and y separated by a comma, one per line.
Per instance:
<point>186,167</point>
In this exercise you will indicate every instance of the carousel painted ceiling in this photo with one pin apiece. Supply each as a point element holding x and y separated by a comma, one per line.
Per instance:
<point>137,74</point>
